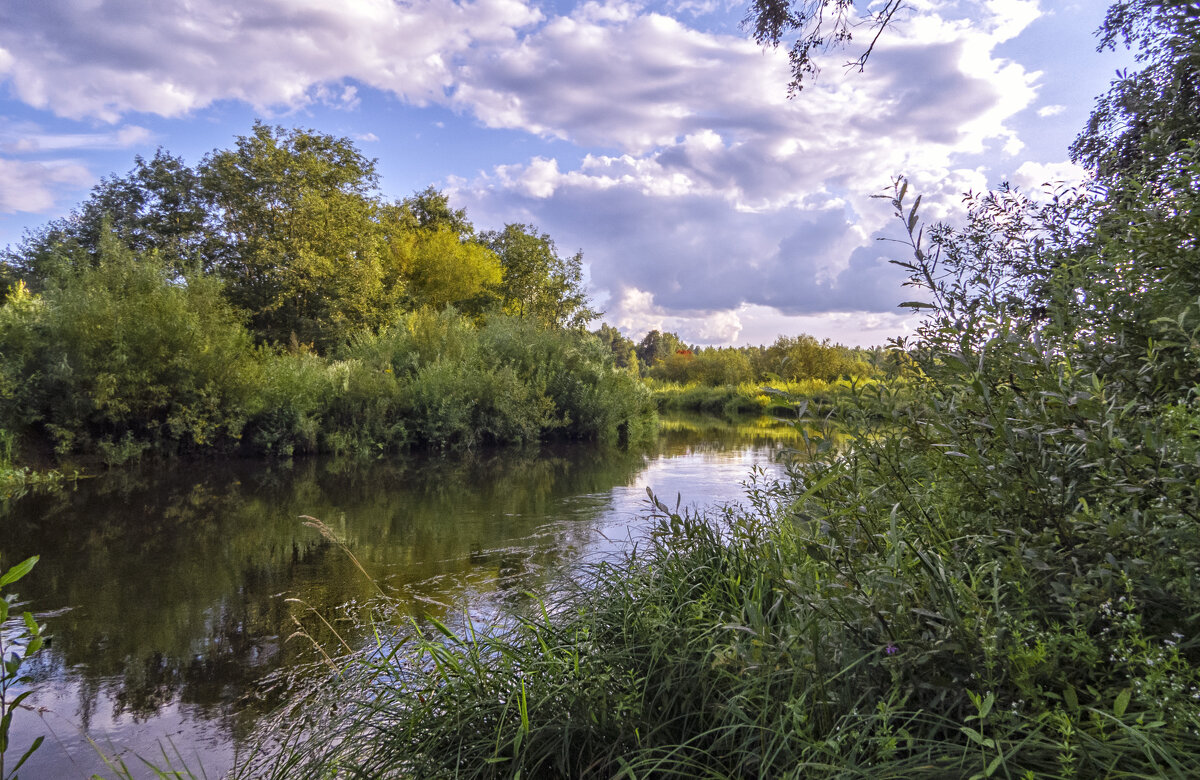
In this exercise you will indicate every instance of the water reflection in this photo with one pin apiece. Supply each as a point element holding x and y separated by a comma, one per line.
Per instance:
<point>172,590</point>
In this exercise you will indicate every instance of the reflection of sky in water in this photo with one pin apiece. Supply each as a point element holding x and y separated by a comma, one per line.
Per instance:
<point>170,593</point>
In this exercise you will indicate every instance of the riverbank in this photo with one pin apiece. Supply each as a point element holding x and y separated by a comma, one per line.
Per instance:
<point>750,398</point>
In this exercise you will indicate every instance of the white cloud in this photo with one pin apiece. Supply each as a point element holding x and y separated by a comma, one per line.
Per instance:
<point>26,139</point>
<point>1049,111</point>
<point>33,186</point>
<point>722,327</point>
<point>171,57</point>
<point>703,184</point>
<point>725,194</point>
<point>1033,177</point>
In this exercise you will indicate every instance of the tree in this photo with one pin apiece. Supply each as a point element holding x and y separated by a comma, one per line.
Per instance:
<point>158,206</point>
<point>656,346</point>
<point>1154,113</point>
<point>538,284</point>
<point>821,25</point>
<point>624,351</point>
<point>297,240</point>
<point>443,270</point>
<point>430,209</point>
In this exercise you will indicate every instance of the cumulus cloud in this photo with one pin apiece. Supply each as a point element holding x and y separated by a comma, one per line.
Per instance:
<point>1034,177</point>
<point>33,186</point>
<point>169,57</point>
<point>724,194</point>
<point>1049,111</point>
<point>703,186</point>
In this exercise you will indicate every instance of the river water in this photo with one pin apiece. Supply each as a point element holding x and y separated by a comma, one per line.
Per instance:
<point>172,591</point>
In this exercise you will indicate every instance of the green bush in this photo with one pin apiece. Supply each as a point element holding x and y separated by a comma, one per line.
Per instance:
<point>122,356</point>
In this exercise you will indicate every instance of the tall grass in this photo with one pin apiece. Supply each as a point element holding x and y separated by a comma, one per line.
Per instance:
<point>764,642</point>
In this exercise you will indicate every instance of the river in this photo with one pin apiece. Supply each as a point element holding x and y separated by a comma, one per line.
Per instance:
<point>171,591</point>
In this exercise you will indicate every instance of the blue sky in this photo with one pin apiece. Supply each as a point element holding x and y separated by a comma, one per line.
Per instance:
<point>655,137</point>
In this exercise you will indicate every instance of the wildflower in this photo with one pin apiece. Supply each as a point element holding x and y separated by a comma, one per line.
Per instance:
<point>890,649</point>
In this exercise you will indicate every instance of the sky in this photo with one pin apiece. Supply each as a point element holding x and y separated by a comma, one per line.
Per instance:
<point>657,137</point>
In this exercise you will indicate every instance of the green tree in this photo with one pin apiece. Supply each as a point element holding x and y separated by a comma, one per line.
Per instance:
<point>804,357</point>
<point>624,351</point>
<point>443,270</point>
<point>159,205</point>
<point>656,346</point>
<point>538,283</point>
<point>1153,113</point>
<point>725,366</point>
<point>298,242</point>
<point>125,354</point>
<point>430,209</point>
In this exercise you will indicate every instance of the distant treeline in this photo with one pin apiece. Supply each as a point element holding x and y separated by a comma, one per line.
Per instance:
<point>667,357</point>
<point>268,300</point>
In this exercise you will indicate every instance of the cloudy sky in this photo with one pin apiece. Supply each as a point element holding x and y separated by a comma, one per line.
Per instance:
<point>656,137</point>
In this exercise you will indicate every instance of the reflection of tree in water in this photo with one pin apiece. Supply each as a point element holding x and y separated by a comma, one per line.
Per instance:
<point>173,580</point>
<point>184,585</point>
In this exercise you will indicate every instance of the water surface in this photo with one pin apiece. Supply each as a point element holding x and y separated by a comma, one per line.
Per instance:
<point>172,591</point>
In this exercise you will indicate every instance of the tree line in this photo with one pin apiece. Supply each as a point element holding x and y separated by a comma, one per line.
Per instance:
<point>269,299</point>
<point>665,356</point>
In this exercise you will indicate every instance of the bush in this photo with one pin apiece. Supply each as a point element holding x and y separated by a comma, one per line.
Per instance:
<point>122,356</point>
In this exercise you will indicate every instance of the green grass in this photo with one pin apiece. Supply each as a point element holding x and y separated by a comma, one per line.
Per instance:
<point>751,397</point>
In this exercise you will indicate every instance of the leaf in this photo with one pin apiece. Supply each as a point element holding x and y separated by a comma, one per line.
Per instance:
<point>18,571</point>
<point>977,738</point>
<point>37,743</point>
<point>1072,699</point>
<point>1122,702</point>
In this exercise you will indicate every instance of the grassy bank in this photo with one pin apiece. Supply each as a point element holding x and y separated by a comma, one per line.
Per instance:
<point>750,397</point>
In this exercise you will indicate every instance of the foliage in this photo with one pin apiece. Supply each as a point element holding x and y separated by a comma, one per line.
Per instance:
<point>537,282</point>
<point>820,25</point>
<point>15,648</point>
<point>430,209</point>
<point>996,578</point>
<point>132,324</point>
<point>121,357</point>
<point>656,346</point>
<point>1152,113</point>
<point>292,223</point>
<point>443,270</point>
<point>623,350</point>
<point>297,239</point>
<point>777,398</point>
